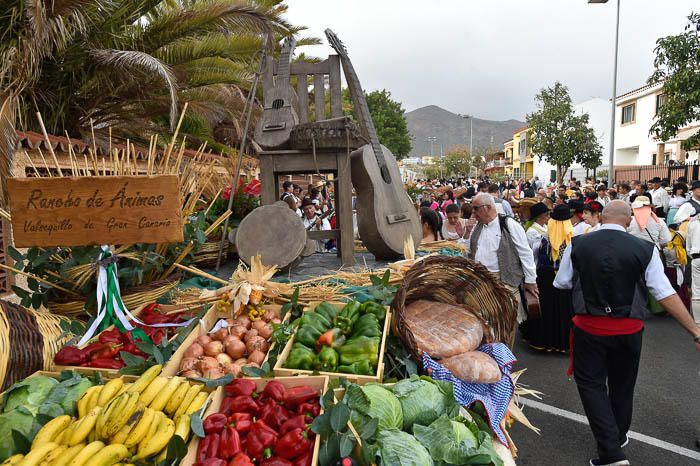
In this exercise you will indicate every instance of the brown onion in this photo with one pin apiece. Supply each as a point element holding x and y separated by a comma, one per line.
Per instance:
<point>188,364</point>
<point>194,351</point>
<point>190,374</point>
<point>207,363</point>
<point>256,357</point>
<point>257,325</point>
<point>213,348</point>
<point>271,314</point>
<point>231,368</point>
<point>265,331</point>
<point>238,330</point>
<point>228,339</point>
<point>223,358</point>
<point>256,344</point>
<point>204,339</point>
<point>250,334</point>
<point>220,334</point>
<point>243,320</point>
<point>235,348</point>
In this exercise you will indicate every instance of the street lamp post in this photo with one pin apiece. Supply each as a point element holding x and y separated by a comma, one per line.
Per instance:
<point>611,160</point>
<point>471,132</point>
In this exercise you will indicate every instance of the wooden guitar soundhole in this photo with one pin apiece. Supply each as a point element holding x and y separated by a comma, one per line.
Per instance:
<point>277,104</point>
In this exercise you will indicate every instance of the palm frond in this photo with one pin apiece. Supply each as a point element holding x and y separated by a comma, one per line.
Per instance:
<point>233,47</point>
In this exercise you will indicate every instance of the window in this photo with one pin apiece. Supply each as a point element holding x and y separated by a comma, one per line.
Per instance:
<point>516,172</point>
<point>660,100</point>
<point>522,146</point>
<point>628,113</point>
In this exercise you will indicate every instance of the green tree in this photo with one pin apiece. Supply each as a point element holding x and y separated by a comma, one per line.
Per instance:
<point>389,120</point>
<point>677,65</point>
<point>558,135</point>
<point>457,161</point>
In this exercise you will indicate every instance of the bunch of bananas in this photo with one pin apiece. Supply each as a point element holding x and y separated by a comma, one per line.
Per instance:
<point>118,421</point>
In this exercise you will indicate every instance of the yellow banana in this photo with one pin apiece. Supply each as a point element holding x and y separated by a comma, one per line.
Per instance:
<point>109,455</point>
<point>51,430</point>
<point>118,419</point>
<point>153,389</point>
<point>121,436</point>
<point>110,390</point>
<point>86,453</point>
<point>197,403</point>
<point>68,455</point>
<point>53,454</point>
<point>37,454</point>
<point>194,389</point>
<point>124,389</point>
<point>178,397</point>
<point>82,402</point>
<point>94,396</point>
<point>12,460</point>
<point>155,423</point>
<point>63,437</point>
<point>141,428</point>
<point>182,427</point>
<point>162,398</point>
<point>156,442</point>
<point>105,413</point>
<point>146,378</point>
<point>83,427</point>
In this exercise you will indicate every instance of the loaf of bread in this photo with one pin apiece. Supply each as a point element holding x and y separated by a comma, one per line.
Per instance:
<point>473,367</point>
<point>443,330</point>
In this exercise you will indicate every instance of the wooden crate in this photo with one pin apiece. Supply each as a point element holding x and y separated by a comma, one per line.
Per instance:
<point>315,381</point>
<point>213,315</point>
<point>282,371</point>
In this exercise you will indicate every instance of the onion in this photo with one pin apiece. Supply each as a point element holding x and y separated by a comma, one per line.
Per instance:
<point>238,330</point>
<point>203,339</point>
<point>256,357</point>
<point>228,339</point>
<point>194,351</point>
<point>220,334</point>
<point>271,314</point>
<point>241,361</point>
<point>257,325</point>
<point>213,373</point>
<point>250,334</point>
<point>207,363</point>
<point>224,358</point>
<point>232,368</point>
<point>265,331</point>
<point>188,364</point>
<point>276,321</point>
<point>213,348</point>
<point>256,344</point>
<point>190,374</point>
<point>235,348</point>
<point>243,320</point>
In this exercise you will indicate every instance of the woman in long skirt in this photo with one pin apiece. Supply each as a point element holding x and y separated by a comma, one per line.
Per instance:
<point>551,331</point>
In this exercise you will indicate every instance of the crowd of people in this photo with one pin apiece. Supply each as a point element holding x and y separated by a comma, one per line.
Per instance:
<point>596,258</point>
<point>315,207</point>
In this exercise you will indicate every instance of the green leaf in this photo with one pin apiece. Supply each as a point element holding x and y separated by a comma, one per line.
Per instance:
<point>21,442</point>
<point>177,449</point>
<point>36,301</point>
<point>356,399</point>
<point>321,425</point>
<point>158,356</point>
<point>21,292</point>
<point>329,451</point>
<point>16,256</point>
<point>197,425</point>
<point>328,399</point>
<point>369,427</point>
<point>213,383</point>
<point>253,371</point>
<point>340,415</point>
<point>131,359</point>
<point>347,442</point>
<point>33,284</point>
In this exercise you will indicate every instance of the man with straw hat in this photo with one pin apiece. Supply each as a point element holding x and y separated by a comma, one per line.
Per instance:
<point>609,303</point>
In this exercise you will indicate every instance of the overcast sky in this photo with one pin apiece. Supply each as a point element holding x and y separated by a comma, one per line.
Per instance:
<point>490,57</point>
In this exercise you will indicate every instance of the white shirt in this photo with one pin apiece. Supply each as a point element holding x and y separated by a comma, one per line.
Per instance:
<point>488,243</point>
<point>591,229</point>
<point>534,237</point>
<point>325,224</point>
<point>692,242</point>
<point>685,211</point>
<point>658,232</point>
<point>603,200</point>
<point>676,201</point>
<point>654,275</point>
<point>659,198</point>
<point>580,228</point>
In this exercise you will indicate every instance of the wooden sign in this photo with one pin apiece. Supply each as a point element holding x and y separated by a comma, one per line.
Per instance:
<point>80,211</point>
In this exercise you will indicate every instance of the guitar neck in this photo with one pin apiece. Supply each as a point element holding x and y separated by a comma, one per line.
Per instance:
<point>283,67</point>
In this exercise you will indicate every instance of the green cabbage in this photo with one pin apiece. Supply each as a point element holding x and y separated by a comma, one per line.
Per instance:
<point>63,397</point>
<point>29,393</point>
<point>423,400</point>
<point>382,406</point>
<point>398,448</point>
<point>19,419</point>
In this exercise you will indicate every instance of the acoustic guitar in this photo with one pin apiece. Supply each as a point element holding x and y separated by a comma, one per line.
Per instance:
<point>386,216</point>
<point>278,117</point>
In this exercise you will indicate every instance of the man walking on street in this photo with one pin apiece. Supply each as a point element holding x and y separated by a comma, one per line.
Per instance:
<point>609,305</point>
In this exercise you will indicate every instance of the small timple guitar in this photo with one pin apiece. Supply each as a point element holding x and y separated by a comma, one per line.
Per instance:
<point>279,116</point>
<point>386,215</point>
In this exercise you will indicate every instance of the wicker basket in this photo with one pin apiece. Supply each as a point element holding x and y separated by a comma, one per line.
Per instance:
<point>133,297</point>
<point>28,342</point>
<point>208,253</point>
<point>458,281</point>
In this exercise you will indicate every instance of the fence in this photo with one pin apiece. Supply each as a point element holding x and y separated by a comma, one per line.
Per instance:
<point>644,173</point>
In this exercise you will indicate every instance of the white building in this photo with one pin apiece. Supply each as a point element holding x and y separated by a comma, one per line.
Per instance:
<point>599,119</point>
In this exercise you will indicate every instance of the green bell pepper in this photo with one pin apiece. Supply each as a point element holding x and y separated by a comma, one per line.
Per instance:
<point>358,368</point>
<point>333,338</point>
<point>326,359</point>
<point>327,310</point>
<point>307,335</point>
<point>315,320</point>
<point>360,349</point>
<point>367,326</point>
<point>373,307</point>
<point>347,317</point>
<point>300,357</point>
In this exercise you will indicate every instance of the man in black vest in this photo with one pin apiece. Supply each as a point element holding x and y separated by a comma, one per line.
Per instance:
<point>609,272</point>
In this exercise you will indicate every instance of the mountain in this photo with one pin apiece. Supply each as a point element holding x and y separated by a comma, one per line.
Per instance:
<point>451,130</point>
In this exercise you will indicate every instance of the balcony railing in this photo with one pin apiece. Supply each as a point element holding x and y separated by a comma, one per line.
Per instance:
<point>500,163</point>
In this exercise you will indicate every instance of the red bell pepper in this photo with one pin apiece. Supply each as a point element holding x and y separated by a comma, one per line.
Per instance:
<point>133,349</point>
<point>293,444</point>
<point>105,351</point>
<point>261,439</point>
<point>311,410</point>
<point>241,387</point>
<point>105,363</point>
<point>71,356</point>
<point>273,414</point>
<point>215,423</point>
<point>110,336</point>
<point>211,462</point>
<point>275,461</point>
<point>296,422</point>
<point>244,404</point>
<point>305,459</point>
<point>298,395</point>
<point>241,421</point>
<point>241,459</point>
<point>274,390</point>
<point>208,447</point>
<point>230,444</point>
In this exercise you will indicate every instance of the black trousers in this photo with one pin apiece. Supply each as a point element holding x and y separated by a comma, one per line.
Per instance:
<point>605,370</point>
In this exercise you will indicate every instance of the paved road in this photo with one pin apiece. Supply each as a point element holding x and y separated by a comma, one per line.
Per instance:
<point>667,403</point>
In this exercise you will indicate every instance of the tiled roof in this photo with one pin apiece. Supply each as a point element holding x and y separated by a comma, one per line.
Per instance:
<point>520,130</point>
<point>639,90</point>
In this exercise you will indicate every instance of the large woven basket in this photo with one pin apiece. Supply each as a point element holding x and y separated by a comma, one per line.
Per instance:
<point>208,253</point>
<point>28,342</point>
<point>461,282</point>
<point>133,297</point>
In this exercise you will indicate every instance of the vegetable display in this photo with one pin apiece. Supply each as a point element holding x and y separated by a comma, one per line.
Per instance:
<point>345,341</point>
<point>105,351</point>
<point>271,427</point>
<point>242,342</point>
<point>105,424</point>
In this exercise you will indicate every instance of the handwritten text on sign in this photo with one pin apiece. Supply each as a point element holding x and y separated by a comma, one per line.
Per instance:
<point>80,211</point>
